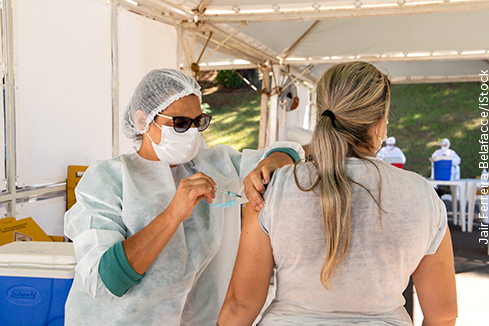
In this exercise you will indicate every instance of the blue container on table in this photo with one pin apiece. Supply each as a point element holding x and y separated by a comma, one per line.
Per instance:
<point>35,279</point>
<point>443,169</point>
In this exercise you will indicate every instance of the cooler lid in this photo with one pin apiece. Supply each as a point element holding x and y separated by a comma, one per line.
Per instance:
<point>393,159</point>
<point>442,158</point>
<point>37,254</point>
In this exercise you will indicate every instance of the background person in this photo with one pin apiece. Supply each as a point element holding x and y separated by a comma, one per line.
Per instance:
<point>150,251</point>
<point>391,151</point>
<point>345,230</point>
<point>446,151</point>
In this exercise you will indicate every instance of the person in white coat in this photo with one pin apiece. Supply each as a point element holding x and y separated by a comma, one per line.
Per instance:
<point>390,151</point>
<point>447,152</point>
<point>149,250</point>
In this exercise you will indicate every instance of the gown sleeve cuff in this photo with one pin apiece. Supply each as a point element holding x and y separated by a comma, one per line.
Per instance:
<point>287,150</point>
<point>116,272</point>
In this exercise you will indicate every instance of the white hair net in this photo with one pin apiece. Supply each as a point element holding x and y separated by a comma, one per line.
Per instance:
<point>154,93</point>
<point>391,140</point>
<point>445,141</point>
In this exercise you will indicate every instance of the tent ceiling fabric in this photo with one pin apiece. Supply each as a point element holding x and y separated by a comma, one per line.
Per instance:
<point>396,34</point>
<point>425,41</point>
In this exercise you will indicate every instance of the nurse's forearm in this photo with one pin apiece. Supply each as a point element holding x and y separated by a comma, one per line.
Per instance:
<point>143,247</point>
<point>281,158</point>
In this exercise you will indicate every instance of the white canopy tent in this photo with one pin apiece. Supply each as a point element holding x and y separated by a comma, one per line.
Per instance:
<point>70,67</point>
<point>413,41</point>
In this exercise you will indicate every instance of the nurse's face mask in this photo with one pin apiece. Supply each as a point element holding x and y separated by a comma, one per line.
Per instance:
<point>180,144</point>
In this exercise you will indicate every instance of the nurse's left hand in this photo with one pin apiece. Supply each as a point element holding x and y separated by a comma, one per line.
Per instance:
<point>257,180</point>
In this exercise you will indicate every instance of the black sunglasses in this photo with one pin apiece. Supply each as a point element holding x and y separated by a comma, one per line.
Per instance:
<point>182,124</point>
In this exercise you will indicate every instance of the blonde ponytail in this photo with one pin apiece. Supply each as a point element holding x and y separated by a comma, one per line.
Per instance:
<point>358,96</point>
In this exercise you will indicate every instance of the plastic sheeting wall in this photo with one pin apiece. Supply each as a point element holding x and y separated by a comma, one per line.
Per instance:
<point>2,151</point>
<point>2,136</point>
<point>48,214</point>
<point>63,99</point>
<point>63,94</point>
<point>144,45</point>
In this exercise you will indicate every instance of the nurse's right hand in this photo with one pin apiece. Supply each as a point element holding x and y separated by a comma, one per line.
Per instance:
<point>190,191</point>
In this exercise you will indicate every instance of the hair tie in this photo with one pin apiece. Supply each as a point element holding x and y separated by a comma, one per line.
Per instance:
<point>330,114</point>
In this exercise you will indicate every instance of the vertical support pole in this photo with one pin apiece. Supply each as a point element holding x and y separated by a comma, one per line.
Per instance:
<point>115,76</point>
<point>8,62</point>
<point>314,109</point>
<point>188,32</point>
<point>306,122</point>
<point>265,86</point>
<point>273,113</point>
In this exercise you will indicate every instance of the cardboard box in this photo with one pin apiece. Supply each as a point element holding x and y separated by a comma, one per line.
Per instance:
<point>57,238</point>
<point>25,229</point>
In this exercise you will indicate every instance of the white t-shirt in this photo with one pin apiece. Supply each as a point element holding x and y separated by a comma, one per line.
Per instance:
<point>382,254</point>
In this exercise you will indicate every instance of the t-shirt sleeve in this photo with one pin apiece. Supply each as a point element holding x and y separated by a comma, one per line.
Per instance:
<point>265,213</point>
<point>439,222</point>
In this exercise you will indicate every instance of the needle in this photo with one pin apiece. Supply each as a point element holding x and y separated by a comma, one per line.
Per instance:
<point>227,192</point>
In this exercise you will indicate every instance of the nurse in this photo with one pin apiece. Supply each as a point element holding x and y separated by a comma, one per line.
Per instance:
<point>390,151</point>
<point>450,153</point>
<point>150,250</point>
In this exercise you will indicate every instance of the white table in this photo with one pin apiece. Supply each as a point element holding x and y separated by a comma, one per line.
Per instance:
<point>472,185</point>
<point>462,186</point>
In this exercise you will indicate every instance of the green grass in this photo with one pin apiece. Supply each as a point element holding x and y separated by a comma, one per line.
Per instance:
<point>235,119</point>
<point>421,115</point>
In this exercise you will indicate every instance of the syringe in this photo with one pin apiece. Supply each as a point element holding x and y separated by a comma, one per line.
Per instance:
<point>227,192</point>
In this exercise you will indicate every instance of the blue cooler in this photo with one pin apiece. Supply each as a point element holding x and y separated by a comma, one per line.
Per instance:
<point>35,279</point>
<point>443,169</point>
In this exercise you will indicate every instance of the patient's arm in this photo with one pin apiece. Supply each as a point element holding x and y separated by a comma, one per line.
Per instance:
<point>434,280</point>
<point>248,289</point>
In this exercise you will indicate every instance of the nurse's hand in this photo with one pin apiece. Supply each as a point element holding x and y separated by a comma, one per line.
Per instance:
<point>257,179</point>
<point>190,191</point>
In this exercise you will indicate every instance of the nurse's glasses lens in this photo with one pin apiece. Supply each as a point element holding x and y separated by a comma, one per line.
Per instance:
<point>182,124</point>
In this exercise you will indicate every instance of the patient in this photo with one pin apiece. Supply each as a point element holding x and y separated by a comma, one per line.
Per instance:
<point>345,230</point>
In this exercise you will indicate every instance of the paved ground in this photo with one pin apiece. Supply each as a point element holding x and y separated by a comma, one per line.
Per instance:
<point>472,273</point>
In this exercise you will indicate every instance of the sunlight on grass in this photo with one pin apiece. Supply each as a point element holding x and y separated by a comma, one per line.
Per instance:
<point>459,134</point>
<point>228,119</point>
<point>474,124</point>
<point>432,144</point>
<point>450,92</point>
<point>236,119</point>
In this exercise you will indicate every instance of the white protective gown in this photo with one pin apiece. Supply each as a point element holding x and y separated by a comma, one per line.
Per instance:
<point>456,160</point>
<point>187,282</point>
<point>396,152</point>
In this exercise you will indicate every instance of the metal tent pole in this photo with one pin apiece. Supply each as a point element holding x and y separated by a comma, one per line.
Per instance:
<point>8,58</point>
<point>115,77</point>
<point>262,134</point>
